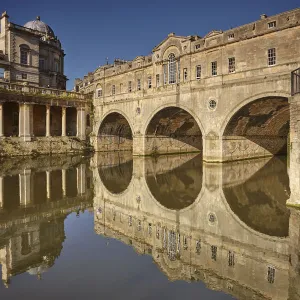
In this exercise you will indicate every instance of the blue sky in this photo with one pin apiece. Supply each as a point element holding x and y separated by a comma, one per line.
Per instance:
<point>92,30</point>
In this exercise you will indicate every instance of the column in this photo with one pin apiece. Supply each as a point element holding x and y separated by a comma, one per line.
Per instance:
<point>81,123</point>
<point>81,182</point>
<point>25,122</point>
<point>1,119</point>
<point>25,188</point>
<point>48,184</point>
<point>1,193</point>
<point>48,112</point>
<point>63,122</point>
<point>64,182</point>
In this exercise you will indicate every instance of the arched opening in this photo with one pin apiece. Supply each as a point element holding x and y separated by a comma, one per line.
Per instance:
<point>258,129</point>
<point>55,121</point>
<point>259,199</point>
<point>173,130</point>
<point>115,134</point>
<point>116,171</point>
<point>10,119</point>
<point>175,182</point>
<point>71,120</point>
<point>39,120</point>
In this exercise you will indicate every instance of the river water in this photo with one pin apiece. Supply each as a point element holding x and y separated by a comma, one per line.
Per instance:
<point>111,226</point>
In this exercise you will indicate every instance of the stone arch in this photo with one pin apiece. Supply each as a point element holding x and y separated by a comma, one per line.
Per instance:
<point>115,133</point>
<point>258,127</point>
<point>172,129</point>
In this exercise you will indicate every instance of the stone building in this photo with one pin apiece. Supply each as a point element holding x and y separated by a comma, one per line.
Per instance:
<point>34,104</point>
<point>224,95</point>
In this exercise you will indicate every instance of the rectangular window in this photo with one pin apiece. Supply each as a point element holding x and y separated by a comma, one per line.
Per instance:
<point>138,84</point>
<point>185,74</point>
<point>197,46</point>
<point>272,57</point>
<point>24,76</point>
<point>231,259</point>
<point>56,66</point>
<point>42,64</point>
<point>113,90</point>
<point>198,247</point>
<point>157,80</point>
<point>121,86</point>
<point>1,73</point>
<point>214,250</point>
<point>24,57</point>
<point>272,24</point>
<point>99,93</point>
<point>165,67</point>
<point>271,274</point>
<point>130,221</point>
<point>198,72</point>
<point>231,64</point>
<point>129,87</point>
<point>231,36</point>
<point>149,82</point>
<point>214,68</point>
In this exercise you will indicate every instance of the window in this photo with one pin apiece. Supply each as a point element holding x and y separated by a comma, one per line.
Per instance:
<point>1,73</point>
<point>185,74</point>
<point>231,64</point>
<point>157,80</point>
<point>24,56</point>
<point>56,66</point>
<point>26,243</point>
<point>214,250</point>
<point>149,82</point>
<point>113,89</point>
<point>231,36</point>
<point>271,274</point>
<point>165,74</point>
<point>272,57</point>
<point>157,232</point>
<point>139,227</point>
<point>197,46</point>
<point>130,221</point>
<point>150,229</point>
<point>231,259</point>
<point>172,69</point>
<point>214,67</point>
<point>99,93</point>
<point>24,76</point>
<point>121,86</point>
<point>272,24</point>
<point>138,84</point>
<point>129,87</point>
<point>212,105</point>
<point>172,245</point>
<point>42,64</point>
<point>198,72</point>
<point>88,120</point>
<point>198,246</point>
<point>185,244</point>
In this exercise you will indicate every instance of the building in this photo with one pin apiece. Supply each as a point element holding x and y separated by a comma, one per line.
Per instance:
<point>224,95</point>
<point>32,54</point>
<point>34,104</point>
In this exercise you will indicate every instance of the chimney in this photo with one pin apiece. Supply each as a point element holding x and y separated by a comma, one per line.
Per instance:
<point>263,16</point>
<point>3,22</point>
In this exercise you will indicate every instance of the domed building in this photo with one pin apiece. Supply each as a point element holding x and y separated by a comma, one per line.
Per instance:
<point>31,54</point>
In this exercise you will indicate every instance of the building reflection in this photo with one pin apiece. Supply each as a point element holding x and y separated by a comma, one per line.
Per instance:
<point>224,224</point>
<point>36,196</point>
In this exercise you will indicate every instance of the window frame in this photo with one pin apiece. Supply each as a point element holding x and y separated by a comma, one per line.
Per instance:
<point>99,92</point>
<point>214,68</point>
<point>231,65</point>
<point>113,89</point>
<point>185,74</point>
<point>198,69</point>
<point>172,68</point>
<point>272,57</point>
<point>149,81</point>
<point>138,84</point>
<point>272,24</point>
<point>129,86</point>
<point>157,80</point>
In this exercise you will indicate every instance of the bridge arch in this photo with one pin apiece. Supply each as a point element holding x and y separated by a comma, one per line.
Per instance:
<point>115,132</point>
<point>173,129</point>
<point>258,127</point>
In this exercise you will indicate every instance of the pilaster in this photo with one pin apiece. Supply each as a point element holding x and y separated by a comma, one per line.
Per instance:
<point>25,122</point>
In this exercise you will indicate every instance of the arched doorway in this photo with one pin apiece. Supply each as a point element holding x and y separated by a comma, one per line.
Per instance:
<point>258,129</point>
<point>173,130</point>
<point>115,134</point>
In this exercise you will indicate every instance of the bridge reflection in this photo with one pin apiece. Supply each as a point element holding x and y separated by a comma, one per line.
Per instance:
<point>226,225</point>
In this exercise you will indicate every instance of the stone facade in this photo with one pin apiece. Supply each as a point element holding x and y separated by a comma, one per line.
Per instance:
<point>233,84</point>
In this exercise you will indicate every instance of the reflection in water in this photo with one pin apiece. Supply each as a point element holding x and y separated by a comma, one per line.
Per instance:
<point>260,201</point>
<point>178,183</point>
<point>237,237</point>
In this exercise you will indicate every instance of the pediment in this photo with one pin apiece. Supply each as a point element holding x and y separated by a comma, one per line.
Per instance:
<point>170,38</point>
<point>213,33</point>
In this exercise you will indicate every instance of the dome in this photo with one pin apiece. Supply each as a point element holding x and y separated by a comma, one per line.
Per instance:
<point>40,26</point>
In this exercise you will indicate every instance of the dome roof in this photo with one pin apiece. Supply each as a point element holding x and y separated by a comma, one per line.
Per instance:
<point>40,26</point>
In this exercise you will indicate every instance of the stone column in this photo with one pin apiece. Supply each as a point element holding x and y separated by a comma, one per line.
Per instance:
<point>64,182</point>
<point>81,181</point>
<point>25,188</point>
<point>81,123</point>
<point>1,119</point>
<point>1,193</point>
<point>48,184</point>
<point>25,122</point>
<point>48,112</point>
<point>63,122</point>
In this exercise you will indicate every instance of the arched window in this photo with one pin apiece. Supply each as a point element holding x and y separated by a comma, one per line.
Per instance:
<point>24,54</point>
<point>172,68</point>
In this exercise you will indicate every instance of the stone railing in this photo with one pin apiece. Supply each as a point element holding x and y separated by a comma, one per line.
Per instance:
<point>40,91</point>
<point>295,81</point>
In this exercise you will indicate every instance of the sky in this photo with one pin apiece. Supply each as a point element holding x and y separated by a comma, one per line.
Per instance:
<point>91,30</point>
